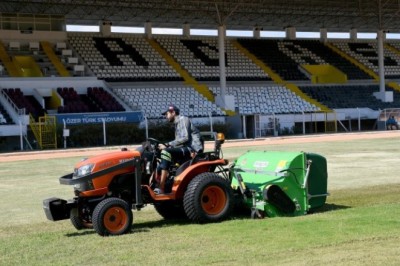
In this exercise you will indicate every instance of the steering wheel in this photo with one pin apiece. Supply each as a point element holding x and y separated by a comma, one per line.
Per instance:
<point>154,143</point>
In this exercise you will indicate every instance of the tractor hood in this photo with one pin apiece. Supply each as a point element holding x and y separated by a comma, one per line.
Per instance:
<point>107,160</point>
<point>95,173</point>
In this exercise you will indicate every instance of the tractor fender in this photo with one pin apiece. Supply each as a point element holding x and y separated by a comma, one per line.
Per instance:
<point>182,180</point>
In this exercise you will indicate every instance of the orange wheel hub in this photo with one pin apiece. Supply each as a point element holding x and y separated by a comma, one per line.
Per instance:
<point>213,200</point>
<point>115,219</point>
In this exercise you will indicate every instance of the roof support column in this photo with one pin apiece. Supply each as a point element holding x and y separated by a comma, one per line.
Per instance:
<point>223,100</point>
<point>221,54</point>
<point>380,61</point>
<point>257,32</point>
<point>323,32</point>
<point>148,29</point>
<point>291,33</point>
<point>186,30</point>
<point>353,34</point>
<point>384,96</point>
<point>105,27</point>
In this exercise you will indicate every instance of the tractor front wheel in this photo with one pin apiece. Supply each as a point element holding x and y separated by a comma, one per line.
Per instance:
<point>112,216</point>
<point>77,221</point>
<point>208,198</point>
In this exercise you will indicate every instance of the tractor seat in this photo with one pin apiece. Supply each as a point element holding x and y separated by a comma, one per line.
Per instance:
<point>197,158</point>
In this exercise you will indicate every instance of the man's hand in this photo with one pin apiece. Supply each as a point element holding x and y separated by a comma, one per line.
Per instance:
<point>162,146</point>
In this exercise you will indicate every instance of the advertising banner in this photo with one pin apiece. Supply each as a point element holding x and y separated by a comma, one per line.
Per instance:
<point>94,118</point>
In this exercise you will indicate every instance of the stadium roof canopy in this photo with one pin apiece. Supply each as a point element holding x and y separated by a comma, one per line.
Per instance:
<point>304,15</point>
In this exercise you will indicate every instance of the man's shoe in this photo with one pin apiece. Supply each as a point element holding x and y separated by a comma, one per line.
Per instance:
<point>158,191</point>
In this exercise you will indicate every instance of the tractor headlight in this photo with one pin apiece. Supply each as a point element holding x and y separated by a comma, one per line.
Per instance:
<point>83,170</point>
<point>84,186</point>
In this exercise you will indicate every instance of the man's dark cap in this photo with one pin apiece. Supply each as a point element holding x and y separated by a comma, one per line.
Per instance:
<point>172,108</point>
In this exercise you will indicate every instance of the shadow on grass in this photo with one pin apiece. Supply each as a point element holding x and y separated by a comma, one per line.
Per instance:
<point>81,233</point>
<point>327,207</point>
<point>244,213</point>
<point>145,227</point>
<point>142,227</point>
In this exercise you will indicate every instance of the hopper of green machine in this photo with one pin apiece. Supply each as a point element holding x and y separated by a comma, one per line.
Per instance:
<point>276,183</point>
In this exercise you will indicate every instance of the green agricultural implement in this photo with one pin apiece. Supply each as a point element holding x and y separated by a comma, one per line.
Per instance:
<point>273,183</point>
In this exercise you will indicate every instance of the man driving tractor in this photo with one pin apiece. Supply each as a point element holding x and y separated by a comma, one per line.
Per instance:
<point>187,143</point>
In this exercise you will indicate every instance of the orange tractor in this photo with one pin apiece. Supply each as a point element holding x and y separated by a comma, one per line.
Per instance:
<point>108,187</point>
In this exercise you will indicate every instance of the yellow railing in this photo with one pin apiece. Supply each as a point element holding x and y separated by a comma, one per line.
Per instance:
<point>44,131</point>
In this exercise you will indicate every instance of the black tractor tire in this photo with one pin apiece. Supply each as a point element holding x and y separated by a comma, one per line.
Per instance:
<point>170,210</point>
<point>77,221</point>
<point>208,198</point>
<point>112,216</point>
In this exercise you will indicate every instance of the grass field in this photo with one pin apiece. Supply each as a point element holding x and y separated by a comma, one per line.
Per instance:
<point>360,224</point>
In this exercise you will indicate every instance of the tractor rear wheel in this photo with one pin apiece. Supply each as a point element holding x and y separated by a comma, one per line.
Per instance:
<point>112,216</point>
<point>208,198</point>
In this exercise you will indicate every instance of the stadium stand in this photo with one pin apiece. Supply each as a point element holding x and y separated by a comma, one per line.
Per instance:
<point>270,53</point>
<point>73,102</point>
<point>200,57</point>
<point>122,58</point>
<point>5,118</point>
<point>96,99</point>
<point>197,55</point>
<point>47,70</point>
<point>3,71</point>
<point>351,96</point>
<point>153,100</point>
<point>26,102</point>
<point>132,58</point>
<point>104,100</point>
<point>366,53</point>
<point>285,57</point>
<point>267,100</point>
<point>330,57</point>
<point>135,75</point>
